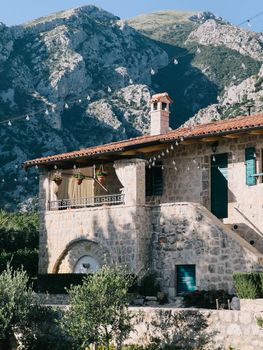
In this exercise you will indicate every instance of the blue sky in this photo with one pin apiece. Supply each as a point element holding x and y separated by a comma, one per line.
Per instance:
<point>18,11</point>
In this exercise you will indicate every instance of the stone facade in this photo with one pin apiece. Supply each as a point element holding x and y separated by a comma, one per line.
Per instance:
<point>176,228</point>
<point>225,328</point>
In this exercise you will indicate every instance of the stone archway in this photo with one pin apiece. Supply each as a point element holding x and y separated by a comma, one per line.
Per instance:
<point>76,250</point>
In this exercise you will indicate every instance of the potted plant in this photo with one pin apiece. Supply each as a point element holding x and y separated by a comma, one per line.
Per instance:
<point>101,176</point>
<point>79,178</point>
<point>57,178</point>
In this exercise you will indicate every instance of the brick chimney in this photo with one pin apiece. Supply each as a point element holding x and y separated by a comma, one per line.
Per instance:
<point>160,104</point>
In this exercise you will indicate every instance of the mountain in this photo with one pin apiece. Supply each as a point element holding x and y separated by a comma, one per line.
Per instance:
<point>83,77</point>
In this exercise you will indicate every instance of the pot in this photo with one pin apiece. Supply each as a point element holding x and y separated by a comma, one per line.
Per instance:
<point>79,181</point>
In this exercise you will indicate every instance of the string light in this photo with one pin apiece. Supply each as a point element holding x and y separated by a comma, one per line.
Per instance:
<point>152,71</point>
<point>9,123</point>
<point>27,117</point>
<point>214,158</point>
<point>109,89</point>
<point>55,167</point>
<point>66,106</point>
<point>46,112</point>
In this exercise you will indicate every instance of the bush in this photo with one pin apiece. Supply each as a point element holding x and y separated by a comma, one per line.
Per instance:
<point>249,285</point>
<point>148,286</point>
<point>207,299</point>
<point>58,283</point>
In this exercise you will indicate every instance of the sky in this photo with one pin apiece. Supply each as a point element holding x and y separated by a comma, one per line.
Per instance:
<point>14,12</point>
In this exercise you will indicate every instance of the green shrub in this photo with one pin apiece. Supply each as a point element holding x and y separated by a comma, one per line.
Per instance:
<point>148,286</point>
<point>249,285</point>
<point>207,299</point>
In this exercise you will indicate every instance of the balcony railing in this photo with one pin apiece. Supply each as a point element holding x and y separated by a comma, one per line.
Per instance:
<point>112,199</point>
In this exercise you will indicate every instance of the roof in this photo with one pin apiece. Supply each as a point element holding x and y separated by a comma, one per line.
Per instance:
<point>235,125</point>
<point>160,97</point>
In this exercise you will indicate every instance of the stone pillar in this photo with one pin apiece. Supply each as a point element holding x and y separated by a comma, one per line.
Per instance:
<point>44,190</point>
<point>131,173</point>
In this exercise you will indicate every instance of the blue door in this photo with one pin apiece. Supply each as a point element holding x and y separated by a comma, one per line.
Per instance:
<point>219,185</point>
<point>186,281</point>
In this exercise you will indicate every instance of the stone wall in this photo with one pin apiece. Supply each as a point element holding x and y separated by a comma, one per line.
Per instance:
<point>189,181</point>
<point>111,234</point>
<point>225,328</point>
<point>185,233</point>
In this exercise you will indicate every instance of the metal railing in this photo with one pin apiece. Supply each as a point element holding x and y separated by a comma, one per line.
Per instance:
<point>112,199</point>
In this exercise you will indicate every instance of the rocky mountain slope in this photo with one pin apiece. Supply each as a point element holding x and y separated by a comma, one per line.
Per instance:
<point>83,77</point>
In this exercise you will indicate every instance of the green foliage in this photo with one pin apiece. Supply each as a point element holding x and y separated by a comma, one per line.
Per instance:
<point>148,286</point>
<point>249,285</point>
<point>260,322</point>
<point>99,309</point>
<point>17,302</point>
<point>19,241</point>
<point>207,299</point>
<point>58,283</point>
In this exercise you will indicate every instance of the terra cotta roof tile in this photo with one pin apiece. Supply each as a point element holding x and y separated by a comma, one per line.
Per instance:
<point>238,124</point>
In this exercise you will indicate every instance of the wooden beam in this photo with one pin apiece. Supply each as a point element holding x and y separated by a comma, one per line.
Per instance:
<point>210,139</point>
<point>152,148</point>
<point>234,136</point>
<point>256,132</point>
<point>188,142</point>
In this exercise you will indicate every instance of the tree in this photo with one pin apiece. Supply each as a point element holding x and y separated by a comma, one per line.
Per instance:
<point>17,303</point>
<point>98,310</point>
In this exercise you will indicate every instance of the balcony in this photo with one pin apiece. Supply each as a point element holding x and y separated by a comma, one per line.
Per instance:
<point>62,204</point>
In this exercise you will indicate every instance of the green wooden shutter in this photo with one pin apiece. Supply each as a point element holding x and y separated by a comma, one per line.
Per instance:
<point>250,166</point>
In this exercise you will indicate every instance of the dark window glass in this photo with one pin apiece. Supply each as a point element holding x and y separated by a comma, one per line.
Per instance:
<point>155,106</point>
<point>154,180</point>
<point>164,106</point>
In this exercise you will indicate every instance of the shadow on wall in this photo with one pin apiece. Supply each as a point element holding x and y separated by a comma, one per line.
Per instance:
<point>186,233</point>
<point>171,330</point>
<point>109,236</point>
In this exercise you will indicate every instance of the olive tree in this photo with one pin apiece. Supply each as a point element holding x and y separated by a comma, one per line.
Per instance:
<point>98,312</point>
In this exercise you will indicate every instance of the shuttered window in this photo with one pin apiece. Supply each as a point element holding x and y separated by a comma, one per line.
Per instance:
<point>154,180</point>
<point>250,166</point>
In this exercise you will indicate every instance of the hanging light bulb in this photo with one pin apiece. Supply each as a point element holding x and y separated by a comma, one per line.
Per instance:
<point>27,117</point>
<point>167,150</point>
<point>159,156</point>
<point>153,163</point>
<point>255,155</point>
<point>26,178</point>
<point>172,147</point>
<point>154,158</point>
<point>80,100</point>
<point>131,81</point>
<point>176,61</point>
<point>16,166</point>
<point>150,166</point>
<point>163,154</point>
<point>181,138</point>
<point>174,162</point>
<point>175,168</point>
<point>15,179</point>
<point>74,166</point>
<point>55,167</point>
<point>162,167</point>
<point>36,166</point>
<point>194,161</point>
<point>109,89</point>
<point>176,143</point>
<point>88,97</point>
<point>66,106</point>
<point>46,112</point>
<point>152,71</point>
<point>214,158</point>
<point>3,180</point>
<point>188,168</point>
<point>35,177</point>
<point>9,123</point>
<point>150,159</point>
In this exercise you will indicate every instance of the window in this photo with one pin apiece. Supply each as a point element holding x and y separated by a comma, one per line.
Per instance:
<point>154,180</point>
<point>185,278</point>
<point>155,105</point>
<point>164,106</point>
<point>250,158</point>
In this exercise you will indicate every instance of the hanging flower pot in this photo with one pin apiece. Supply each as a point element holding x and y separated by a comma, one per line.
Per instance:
<point>57,178</point>
<point>101,176</point>
<point>79,178</point>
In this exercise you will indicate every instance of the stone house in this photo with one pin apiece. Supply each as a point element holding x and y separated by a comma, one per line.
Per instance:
<point>186,203</point>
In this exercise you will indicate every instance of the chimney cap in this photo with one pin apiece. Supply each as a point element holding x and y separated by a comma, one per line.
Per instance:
<point>160,97</point>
